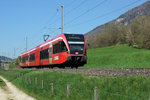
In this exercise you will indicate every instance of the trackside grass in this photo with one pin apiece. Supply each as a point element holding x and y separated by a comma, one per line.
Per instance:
<point>81,86</point>
<point>121,56</point>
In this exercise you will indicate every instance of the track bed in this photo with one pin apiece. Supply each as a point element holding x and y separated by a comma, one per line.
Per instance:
<point>99,71</point>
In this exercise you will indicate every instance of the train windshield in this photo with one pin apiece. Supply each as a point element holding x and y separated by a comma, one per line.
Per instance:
<point>76,43</point>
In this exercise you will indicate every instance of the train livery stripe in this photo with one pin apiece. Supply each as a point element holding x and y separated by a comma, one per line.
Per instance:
<point>51,41</point>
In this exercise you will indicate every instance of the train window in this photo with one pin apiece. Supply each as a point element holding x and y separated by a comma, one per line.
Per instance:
<point>32,57</point>
<point>44,54</point>
<point>63,47</point>
<point>55,48</point>
<point>26,57</point>
<point>23,59</point>
<point>59,47</point>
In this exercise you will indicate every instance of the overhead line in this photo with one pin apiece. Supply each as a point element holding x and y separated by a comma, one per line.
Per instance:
<point>45,24</point>
<point>70,10</point>
<point>35,34</point>
<point>75,7</point>
<point>116,10</point>
<point>38,40</point>
<point>70,3</point>
<point>86,12</point>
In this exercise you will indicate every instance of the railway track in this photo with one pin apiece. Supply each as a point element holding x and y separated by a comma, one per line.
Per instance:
<point>99,71</point>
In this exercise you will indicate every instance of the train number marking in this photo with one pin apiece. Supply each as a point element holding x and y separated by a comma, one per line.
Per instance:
<point>56,58</point>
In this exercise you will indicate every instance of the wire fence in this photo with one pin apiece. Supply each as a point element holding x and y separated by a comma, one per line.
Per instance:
<point>43,84</point>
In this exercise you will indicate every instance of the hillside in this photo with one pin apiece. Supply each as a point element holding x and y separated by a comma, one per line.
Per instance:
<point>121,56</point>
<point>3,58</point>
<point>125,18</point>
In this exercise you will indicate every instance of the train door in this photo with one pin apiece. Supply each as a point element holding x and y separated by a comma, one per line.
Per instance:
<point>50,54</point>
<point>27,60</point>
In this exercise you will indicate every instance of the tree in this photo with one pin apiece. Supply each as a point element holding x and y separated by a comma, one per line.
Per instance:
<point>113,34</point>
<point>139,32</point>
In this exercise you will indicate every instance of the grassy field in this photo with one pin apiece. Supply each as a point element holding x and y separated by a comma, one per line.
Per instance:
<point>81,86</point>
<point>121,56</point>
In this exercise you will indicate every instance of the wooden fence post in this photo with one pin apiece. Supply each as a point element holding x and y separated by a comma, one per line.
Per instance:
<point>95,94</point>
<point>29,79</point>
<point>25,77</point>
<point>22,74</point>
<point>52,88</point>
<point>68,90</point>
<point>36,80</point>
<point>42,84</point>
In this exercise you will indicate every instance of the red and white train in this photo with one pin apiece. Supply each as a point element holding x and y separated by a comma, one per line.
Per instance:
<point>63,50</point>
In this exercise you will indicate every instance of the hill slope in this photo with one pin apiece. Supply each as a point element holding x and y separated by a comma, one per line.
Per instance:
<point>3,58</point>
<point>125,18</point>
<point>121,56</point>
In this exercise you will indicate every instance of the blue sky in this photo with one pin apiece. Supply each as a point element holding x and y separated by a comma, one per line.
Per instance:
<point>34,18</point>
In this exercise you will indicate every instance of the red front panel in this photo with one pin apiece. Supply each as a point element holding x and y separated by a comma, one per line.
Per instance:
<point>59,58</point>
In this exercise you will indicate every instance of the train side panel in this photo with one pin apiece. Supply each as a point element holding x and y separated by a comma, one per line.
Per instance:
<point>44,55</point>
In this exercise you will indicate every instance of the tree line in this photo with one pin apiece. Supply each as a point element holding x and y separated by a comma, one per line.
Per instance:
<point>136,34</point>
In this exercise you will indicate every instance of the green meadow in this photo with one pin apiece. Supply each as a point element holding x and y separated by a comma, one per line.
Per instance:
<point>121,56</point>
<point>81,86</point>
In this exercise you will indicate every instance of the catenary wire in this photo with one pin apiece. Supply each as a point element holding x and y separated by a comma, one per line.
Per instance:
<point>106,14</point>
<point>71,10</point>
<point>87,11</point>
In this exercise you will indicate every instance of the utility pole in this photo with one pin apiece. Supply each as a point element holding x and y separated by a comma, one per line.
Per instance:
<point>26,43</point>
<point>8,56</point>
<point>14,53</point>
<point>62,20</point>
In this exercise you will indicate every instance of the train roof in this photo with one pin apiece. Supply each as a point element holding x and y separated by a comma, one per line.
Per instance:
<point>47,42</point>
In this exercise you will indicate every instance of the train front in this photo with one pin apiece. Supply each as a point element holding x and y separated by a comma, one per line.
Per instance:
<point>77,49</point>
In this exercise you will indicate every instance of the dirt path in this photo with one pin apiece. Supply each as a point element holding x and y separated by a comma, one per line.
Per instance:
<point>11,92</point>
